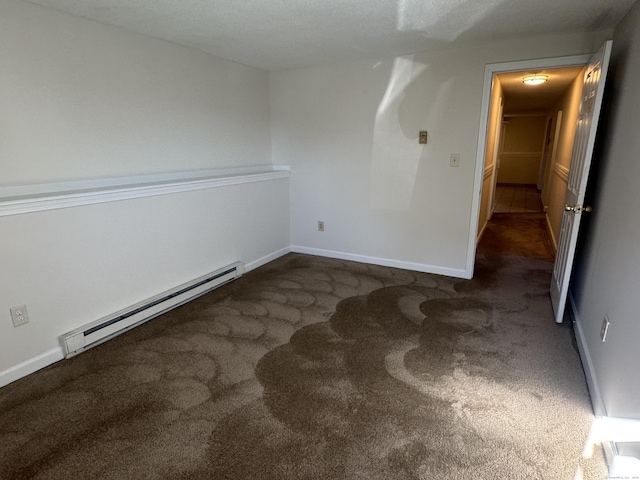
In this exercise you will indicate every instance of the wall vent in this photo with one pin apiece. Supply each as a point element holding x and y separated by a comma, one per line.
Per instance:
<point>105,328</point>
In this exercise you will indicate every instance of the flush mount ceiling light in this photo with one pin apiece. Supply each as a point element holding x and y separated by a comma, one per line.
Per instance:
<point>535,79</point>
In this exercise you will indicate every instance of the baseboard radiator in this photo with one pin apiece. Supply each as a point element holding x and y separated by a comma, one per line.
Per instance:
<point>105,328</point>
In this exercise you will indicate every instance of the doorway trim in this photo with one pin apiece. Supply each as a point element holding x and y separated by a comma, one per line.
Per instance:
<point>489,70</point>
<point>498,141</point>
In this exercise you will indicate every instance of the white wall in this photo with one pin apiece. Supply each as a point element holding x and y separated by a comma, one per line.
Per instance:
<point>75,265</point>
<point>350,133</point>
<point>82,100</point>
<point>606,277</point>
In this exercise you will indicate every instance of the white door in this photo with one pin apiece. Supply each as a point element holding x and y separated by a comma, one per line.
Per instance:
<point>590,104</point>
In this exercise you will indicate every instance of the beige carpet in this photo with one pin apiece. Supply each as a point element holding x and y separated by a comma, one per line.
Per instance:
<point>313,368</point>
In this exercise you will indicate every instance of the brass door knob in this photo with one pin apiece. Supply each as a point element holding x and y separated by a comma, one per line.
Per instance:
<point>577,208</point>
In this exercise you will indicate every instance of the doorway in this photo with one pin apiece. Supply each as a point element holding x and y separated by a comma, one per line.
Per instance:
<point>538,129</point>
<point>504,96</point>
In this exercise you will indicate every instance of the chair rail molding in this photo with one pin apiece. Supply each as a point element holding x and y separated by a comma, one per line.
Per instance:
<point>21,199</point>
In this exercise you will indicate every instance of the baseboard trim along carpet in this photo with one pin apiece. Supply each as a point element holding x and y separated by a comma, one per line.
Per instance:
<point>54,355</point>
<point>587,363</point>
<point>550,230</point>
<point>609,432</point>
<point>385,262</point>
<point>605,430</point>
<point>30,366</point>
<point>484,227</point>
<point>266,259</point>
<point>315,368</point>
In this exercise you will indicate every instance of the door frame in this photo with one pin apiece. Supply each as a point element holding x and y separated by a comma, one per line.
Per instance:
<point>489,70</point>
<point>498,141</point>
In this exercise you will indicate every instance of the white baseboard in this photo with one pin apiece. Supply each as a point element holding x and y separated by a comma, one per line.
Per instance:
<point>30,366</point>
<point>484,227</point>
<point>54,355</point>
<point>624,467</point>
<point>385,262</point>
<point>592,381</point>
<point>266,259</point>
<point>550,230</point>
<point>605,430</point>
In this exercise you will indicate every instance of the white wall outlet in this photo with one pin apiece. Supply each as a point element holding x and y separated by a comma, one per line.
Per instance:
<point>605,329</point>
<point>455,160</point>
<point>320,226</point>
<point>19,315</point>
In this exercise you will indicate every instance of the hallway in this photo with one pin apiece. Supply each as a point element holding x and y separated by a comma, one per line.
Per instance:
<point>524,234</point>
<point>516,198</point>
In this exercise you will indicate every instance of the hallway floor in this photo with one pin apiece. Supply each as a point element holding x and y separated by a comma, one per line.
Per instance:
<point>525,235</point>
<point>517,198</point>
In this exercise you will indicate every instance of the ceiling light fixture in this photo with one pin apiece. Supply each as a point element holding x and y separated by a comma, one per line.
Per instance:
<point>535,79</point>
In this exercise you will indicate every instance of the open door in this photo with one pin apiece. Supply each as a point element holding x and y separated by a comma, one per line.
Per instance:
<point>594,80</point>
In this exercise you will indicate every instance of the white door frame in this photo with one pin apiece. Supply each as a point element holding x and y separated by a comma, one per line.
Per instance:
<point>489,70</point>
<point>497,150</point>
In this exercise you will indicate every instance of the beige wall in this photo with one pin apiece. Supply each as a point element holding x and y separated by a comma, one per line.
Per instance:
<point>556,183</point>
<point>522,149</point>
<point>554,131</point>
<point>494,124</point>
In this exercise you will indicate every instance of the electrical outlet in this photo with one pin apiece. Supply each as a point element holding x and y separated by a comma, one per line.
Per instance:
<point>320,226</point>
<point>605,328</point>
<point>19,315</point>
<point>455,160</point>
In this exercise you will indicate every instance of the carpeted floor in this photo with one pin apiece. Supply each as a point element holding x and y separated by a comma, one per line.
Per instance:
<point>314,368</point>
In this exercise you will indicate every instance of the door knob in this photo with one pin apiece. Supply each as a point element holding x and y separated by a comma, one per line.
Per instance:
<point>577,208</point>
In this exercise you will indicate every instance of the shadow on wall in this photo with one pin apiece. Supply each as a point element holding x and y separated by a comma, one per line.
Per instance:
<point>405,108</point>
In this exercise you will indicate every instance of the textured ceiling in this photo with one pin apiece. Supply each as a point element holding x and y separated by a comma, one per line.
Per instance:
<point>519,97</point>
<point>276,34</point>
